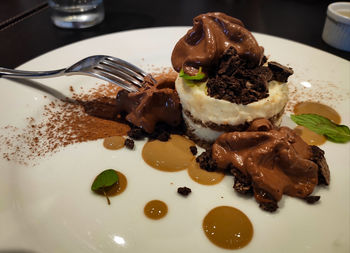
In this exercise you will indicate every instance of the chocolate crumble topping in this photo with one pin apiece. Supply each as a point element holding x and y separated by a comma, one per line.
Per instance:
<point>193,150</point>
<point>206,161</point>
<point>235,82</point>
<point>184,191</point>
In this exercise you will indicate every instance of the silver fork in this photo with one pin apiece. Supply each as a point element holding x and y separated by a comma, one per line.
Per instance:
<point>110,69</point>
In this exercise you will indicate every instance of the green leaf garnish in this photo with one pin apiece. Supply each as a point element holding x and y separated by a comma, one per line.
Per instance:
<point>104,180</point>
<point>321,125</point>
<point>199,76</point>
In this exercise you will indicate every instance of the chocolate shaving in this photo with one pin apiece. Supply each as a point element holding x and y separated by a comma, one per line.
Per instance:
<point>280,72</point>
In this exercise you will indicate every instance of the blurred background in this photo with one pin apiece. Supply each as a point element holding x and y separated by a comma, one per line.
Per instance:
<point>26,30</point>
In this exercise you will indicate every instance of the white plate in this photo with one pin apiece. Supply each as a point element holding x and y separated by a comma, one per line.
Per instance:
<point>49,207</point>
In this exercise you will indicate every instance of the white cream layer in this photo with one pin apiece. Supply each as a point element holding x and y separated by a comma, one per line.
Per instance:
<point>207,109</point>
<point>202,133</point>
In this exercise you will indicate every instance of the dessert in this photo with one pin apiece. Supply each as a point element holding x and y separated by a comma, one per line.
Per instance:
<point>238,86</point>
<point>269,162</point>
<point>235,108</point>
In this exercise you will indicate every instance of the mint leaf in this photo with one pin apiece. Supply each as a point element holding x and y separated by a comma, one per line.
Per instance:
<point>199,76</point>
<point>105,179</point>
<point>323,126</point>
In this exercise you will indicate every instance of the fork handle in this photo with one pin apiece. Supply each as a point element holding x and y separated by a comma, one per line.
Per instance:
<point>12,73</point>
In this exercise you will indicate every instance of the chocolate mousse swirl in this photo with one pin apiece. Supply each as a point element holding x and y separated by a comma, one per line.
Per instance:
<point>212,34</point>
<point>152,104</point>
<point>270,162</point>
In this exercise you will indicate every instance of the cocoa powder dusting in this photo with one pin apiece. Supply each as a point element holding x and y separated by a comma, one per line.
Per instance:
<point>321,91</point>
<point>62,123</point>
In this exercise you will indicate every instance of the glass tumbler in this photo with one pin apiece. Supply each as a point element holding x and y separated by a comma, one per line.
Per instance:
<point>76,13</point>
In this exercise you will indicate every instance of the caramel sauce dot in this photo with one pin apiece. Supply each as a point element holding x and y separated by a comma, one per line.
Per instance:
<point>119,187</point>
<point>309,136</point>
<point>172,155</point>
<point>228,227</point>
<point>317,108</point>
<point>114,142</point>
<point>155,209</point>
<point>202,176</point>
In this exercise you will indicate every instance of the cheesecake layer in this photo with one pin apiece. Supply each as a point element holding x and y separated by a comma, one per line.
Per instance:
<point>207,109</point>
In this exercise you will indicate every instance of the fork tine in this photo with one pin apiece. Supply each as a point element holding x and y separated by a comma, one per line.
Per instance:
<point>113,79</point>
<point>119,73</point>
<point>122,68</point>
<point>126,64</point>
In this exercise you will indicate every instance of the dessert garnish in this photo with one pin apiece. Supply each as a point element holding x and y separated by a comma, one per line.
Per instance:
<point>228,227</point>
<point>193,150</point>
<point>173,155</point>
<point>103,181</point>
<point>114,142</point>
<point>204,177</point>
<point>155,209</point>
<point>322,125</point>
<point>184,191</point>
<point>155,102</point>
<point>269,162</point>
<point>199,76</point>
<point>233,81</point>
<point>129,143</point>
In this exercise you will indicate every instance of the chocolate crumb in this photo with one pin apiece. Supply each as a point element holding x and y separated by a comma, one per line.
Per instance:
<point>242,183</point>
<point>312,199</point>
<point>129,143</point>
<point>206,162</point>
<point>193,150</point>
<point>184,191</point>
<point>320,160</point>
<point>136,134</point>
<point>163,136</point>
<point>269,206</point>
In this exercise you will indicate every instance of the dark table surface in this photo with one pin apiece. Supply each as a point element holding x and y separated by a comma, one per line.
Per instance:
<point>26,30</point>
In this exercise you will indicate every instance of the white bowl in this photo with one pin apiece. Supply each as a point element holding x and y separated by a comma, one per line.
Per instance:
<point>336,31</point>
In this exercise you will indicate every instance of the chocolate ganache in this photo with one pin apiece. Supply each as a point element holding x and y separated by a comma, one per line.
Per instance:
<point>212,34</point>
<point>270,162</point>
